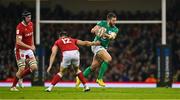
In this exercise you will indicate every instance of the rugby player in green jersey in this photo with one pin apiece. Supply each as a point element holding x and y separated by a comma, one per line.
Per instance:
<point>105,31</point>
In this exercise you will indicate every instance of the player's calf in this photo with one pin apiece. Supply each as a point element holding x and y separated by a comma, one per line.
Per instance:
<point>78,82</point>
<point>20,83</point>
<point>55,80</point>
<point>83,80</point>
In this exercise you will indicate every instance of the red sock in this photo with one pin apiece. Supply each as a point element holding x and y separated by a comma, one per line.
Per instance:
<point>55,79</point>
<point>15,82</point>
<point>81,78</point>
<point>25,72</point>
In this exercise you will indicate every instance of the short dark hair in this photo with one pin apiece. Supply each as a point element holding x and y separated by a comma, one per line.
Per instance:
<point>111,15</point>
<point>25,13</point>
<point>62,33</point>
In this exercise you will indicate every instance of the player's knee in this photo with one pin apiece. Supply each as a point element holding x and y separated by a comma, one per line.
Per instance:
<point>21,63</point>
<point>77,70</point>
<point>60,74</point>
<point>109,59</point>
<point>20,70</point>
<point>33,65</point>
<point>18,74</point>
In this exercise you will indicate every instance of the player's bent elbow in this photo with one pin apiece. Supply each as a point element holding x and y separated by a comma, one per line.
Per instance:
<point>92,31</point>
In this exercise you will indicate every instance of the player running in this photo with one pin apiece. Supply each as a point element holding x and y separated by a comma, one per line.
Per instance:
<point>105,31</point>
<point>70,56</point>
<point>24,49</point>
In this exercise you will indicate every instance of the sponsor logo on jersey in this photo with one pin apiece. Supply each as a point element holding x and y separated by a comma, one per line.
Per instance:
<point>28,34</point>
<point>103,39</point>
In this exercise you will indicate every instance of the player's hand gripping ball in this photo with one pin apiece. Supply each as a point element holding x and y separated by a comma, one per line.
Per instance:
<point>101,31</point>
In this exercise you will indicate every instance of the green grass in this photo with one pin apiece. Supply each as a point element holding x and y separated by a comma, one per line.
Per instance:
<point>95,93</point>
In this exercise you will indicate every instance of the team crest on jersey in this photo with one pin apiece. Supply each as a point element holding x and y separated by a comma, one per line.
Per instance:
<point>103,38</point>
<point>109,32</point>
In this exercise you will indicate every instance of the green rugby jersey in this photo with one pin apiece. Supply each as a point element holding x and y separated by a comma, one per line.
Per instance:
<point>104,41</point>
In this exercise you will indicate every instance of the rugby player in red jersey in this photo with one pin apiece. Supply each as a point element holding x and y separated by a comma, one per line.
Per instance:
<point>70,56</point>
<point>24,48</point>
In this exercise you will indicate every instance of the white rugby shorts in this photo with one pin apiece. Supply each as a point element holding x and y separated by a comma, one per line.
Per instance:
<point>70,58</point>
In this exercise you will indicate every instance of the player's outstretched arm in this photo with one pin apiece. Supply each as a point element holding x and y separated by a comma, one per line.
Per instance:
<point>87,43</point>
<point>52,57</point>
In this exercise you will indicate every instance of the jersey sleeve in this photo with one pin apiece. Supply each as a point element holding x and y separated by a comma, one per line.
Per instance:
<point>56,43</point>
<point>19,30</point>
<point>31,23</point>
<point>101,23</point>
<point>75,40</point>
<point>116,30</point>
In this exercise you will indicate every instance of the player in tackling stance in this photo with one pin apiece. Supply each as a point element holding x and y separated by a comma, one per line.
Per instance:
<point>70,56</point>
<point>105,31</point>
<point>24,48</point>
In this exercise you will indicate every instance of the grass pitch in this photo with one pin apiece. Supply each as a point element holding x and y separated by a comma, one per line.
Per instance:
<point>95,93</point>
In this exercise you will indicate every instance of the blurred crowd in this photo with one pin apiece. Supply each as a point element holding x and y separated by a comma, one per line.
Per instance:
<point>133,51</point>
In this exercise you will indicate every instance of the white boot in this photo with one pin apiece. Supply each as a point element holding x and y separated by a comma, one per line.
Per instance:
<point>49,89</point>
<point>13,89</point>
<point>86,89</point>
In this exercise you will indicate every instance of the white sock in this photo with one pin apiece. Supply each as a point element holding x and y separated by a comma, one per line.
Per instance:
<point>51,86</point>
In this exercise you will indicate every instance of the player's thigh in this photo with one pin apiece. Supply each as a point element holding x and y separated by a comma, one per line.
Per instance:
<point>21,66</point>
<point>75,59</point>
<point>62,69</point>
<point>20,60</point>
<point>20,57</point>
<point>96,62</point>
<point>66,61</point>
<point>20,70</point>
<point>104,55</point>
<point>32,62</point>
